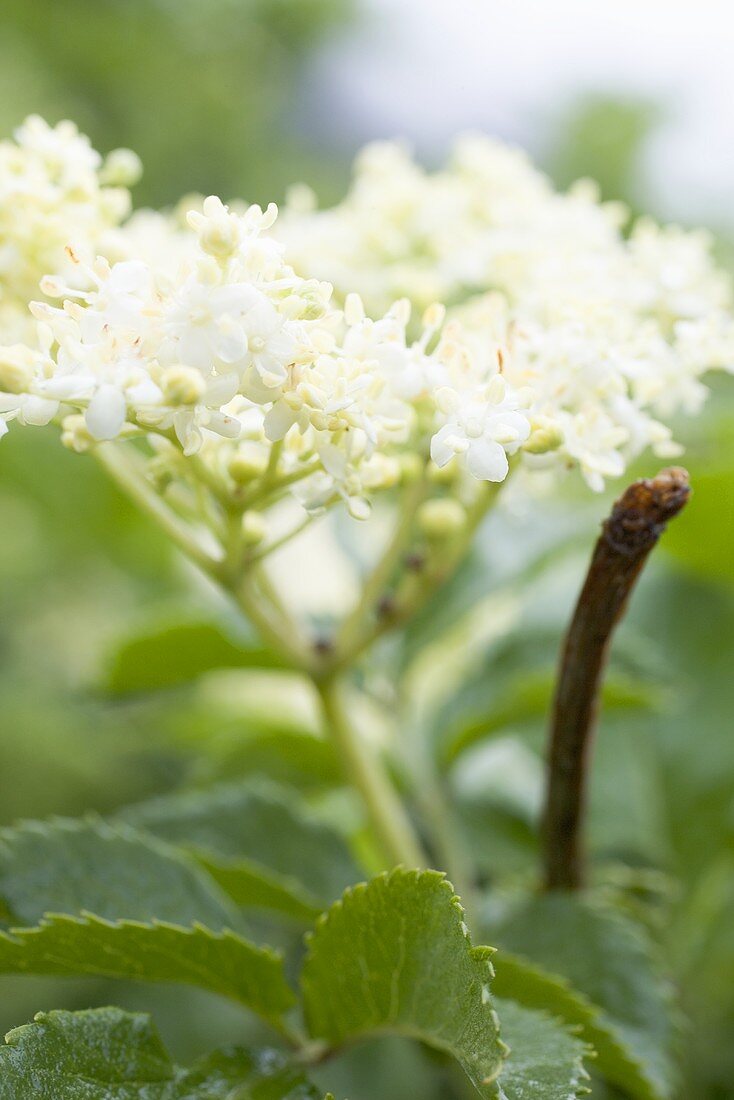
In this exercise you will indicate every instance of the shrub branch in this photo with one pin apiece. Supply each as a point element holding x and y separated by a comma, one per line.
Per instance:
<point>629,534</point>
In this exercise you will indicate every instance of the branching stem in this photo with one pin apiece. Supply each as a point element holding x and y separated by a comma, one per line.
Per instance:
<point>629,534</point>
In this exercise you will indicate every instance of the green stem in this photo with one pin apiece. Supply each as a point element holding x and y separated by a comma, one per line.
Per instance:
<point>133,484</point>
<point>377,581</point>
<point>416,589</point>
<point>364,769</point>
<point>267,490</point>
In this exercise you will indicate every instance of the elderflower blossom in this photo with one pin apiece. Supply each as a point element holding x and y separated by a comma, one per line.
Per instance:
<point>218,336</point>
<point>612,331</point>
<point>232,354</point>
<point>55,191</point>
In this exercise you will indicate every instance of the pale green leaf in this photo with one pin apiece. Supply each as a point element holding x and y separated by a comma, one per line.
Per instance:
<point>87,945</point>
<point>108,1054</point>
<point>260,843</point>
<point>292,756</point>
<point>609,961</point>
<point>177,653</point>
<point>66,866</point>
<point>545,1060</point>
<point>394,956</point>
<point>125,904</point>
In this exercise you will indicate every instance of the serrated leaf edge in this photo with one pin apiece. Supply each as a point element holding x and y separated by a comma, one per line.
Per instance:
<point>481,953</point>
<point>19,936</point>
<point>590,1026</point>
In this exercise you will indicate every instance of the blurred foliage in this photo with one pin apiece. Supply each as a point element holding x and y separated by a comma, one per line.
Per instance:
<point>601,138</point>
<point>201,91</point>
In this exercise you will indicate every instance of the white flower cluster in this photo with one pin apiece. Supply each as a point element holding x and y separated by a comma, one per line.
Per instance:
<point>55,192</point>
<point>611,330</point>
<point>234,345</point>
<point>564,337</point>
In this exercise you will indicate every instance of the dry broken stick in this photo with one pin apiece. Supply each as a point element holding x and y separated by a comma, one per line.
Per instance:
<point>637,520</point>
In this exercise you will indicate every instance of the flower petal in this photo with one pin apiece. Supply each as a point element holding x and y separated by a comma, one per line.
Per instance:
<point>106,413</point>
<point>487,461</point>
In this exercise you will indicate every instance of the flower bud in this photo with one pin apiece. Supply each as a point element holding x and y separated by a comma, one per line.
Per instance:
<point>247,464</point>
<point>254,528</point>
<point>122,168</point>
<point>441,519</point>
<point>16,368</point>
<point>545,435</point>
<point>442,475</point>
<point>411,468</point>
<point>182,385</point>
<point>75,435</point>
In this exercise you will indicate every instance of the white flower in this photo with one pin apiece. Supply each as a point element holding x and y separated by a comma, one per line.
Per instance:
<point>216,334</point>
<point>54,193</point>
<point>483,428</point>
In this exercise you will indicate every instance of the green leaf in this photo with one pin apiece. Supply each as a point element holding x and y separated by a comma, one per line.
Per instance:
<point>625,1004</point>
<point>123,904</point>
<point>259,843</point>
<point>545,1060</point>
<point>530,985</point>
<point>177,653</point>
<point>394,956</point>
<point>87,945</point>
<point>295,757</point>
<point>481,711</point>
<point>67,866</point>
<point>115,1055</point>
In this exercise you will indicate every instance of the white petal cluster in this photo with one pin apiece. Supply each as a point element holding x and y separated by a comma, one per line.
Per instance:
<point>611,329</point>
<point>232,354</point>
<point>55,192</point>
<point>564,335</point>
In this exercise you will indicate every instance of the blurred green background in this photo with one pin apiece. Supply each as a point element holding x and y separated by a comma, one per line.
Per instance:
<point>204,93</point>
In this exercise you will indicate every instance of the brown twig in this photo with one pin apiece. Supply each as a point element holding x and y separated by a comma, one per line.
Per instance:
<point>637,520</point>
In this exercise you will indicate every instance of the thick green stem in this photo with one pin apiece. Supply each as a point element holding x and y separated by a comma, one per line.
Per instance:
<point>364,769</point>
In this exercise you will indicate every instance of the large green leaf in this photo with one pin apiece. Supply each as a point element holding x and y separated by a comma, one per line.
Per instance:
<point>394,956</point>
<point>625,1005</point>
<point>260,844</point>
<point>86,945</point>
<point>177,653</point>
<point>545,1060</point>
<point>114,871</point>
<point>125,904</point>
<point>115,1055</point>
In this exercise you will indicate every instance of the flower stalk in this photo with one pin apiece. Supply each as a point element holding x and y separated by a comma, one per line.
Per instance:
<point>632,530</point>
<point>364,770</point>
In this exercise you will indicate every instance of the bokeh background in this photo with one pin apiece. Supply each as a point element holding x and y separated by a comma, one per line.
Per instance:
<point>242,98</point>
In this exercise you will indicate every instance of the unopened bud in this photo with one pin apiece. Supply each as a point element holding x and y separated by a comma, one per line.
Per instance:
<point>545,435</point>
<point>182,385</point>
<point>254,528</point>
<point>75,435</point>
<point>16,368</point>
<point>122,168</point>
<point>441,519</point>
<point>247,464</point>
<point>411,468</point>
<point>442,475</point>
